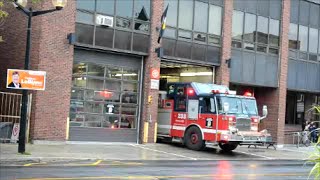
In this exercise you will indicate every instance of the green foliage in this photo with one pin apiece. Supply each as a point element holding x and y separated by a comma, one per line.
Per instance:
<point>315,156</point>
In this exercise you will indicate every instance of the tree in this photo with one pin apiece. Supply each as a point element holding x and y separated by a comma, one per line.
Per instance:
<point>4,14</point>
<point>315,156</point>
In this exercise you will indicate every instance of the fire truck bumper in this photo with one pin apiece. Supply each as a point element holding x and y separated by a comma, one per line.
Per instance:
<point>246,139</point>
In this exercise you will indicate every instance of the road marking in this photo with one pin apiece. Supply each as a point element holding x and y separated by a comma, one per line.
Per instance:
<point>173,176</point>
<point>30,164</point>
<point>252,154</point>
<point>173,154</point>
<point>96,163</point>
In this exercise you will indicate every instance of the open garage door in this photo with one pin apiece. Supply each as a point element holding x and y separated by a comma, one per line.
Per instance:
<point>184,72</point>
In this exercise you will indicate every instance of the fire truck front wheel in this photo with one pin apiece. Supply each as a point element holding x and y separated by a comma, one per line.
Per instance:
<point>193,139</point>
<point>228,146</point>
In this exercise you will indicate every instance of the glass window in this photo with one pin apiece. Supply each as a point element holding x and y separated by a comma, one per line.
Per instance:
<point>313,43</point>
<point>199,37</point>
<point>263,7</point>
<point>124,8</point>
<point>184,35</point>
<point>293,36</point>
<point>319,46</point>
<point>77,94</point>
<point>180,104</point>
<point>169,32</point>
<point>172,12</point>
<point>141,26</point>
<point>130,98</point>
<point>79,81</point>
<point>84,33</point>
<point>249,27</point>
<point>274,28</point>
<point>183,49</point>
<point>275,8</point>
<point>140,42</point>
<point>106,7</point>
<point>84,18</point>
<point>123,40</point>
<point>185,14</point>
<point>262,49</point>
<point>95,70</point>
<point>304,13</point>
<point>93,107</point>
<point>213,40</point>
<point>130,86</point>
<point>248,46</point>
<point>213,54</point>
<point>112,85</point>
<point>200,16</point>
<point>168,47</point>
<point>79,69</point>
<point>314,18</point>
<point>237,25</point>
<point>130,74</point>
<point>104,37</point>
<point>142,10</point>
<point>85,4</point>
<point>198,52</point>
<point>113,72</point>
<point>215,18</point>
<point>262,32</point>
<point>294,11</point>
<point>123,23</point>
<point>95,84</point>
<point>303,38</point>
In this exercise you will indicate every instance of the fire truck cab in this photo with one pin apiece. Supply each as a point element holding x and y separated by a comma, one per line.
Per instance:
<point>198,114</point>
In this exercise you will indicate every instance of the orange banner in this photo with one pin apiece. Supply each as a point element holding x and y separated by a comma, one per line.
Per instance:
<point>24,79</point>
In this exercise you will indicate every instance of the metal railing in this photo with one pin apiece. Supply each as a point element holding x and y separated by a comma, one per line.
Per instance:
<point>10,111</point>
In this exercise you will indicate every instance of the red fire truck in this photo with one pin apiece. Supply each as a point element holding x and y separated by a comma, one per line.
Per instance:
<point>198,114</point>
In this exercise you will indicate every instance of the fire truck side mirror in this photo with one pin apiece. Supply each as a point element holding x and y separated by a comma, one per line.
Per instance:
<point>264,111</point>
<point>225,107</point>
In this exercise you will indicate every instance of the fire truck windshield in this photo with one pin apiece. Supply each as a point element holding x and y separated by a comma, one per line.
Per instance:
<point>238,106</point>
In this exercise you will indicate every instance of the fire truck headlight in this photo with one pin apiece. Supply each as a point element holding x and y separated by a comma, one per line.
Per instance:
<point>233,130</point>
<point>264,131</point>
<point>254,128</point>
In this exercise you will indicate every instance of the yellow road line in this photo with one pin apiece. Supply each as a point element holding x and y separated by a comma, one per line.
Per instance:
<point>164,177</point>
<point>96,163</point>
<point>30,164</point>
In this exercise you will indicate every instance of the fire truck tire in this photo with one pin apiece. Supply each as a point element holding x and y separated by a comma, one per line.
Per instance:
<point>193,139</point>
<point>228,146</point>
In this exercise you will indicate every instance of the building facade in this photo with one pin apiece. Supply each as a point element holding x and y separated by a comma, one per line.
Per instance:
<point>98,86</point>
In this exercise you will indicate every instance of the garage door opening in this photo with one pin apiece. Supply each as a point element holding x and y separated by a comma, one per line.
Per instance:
<point>177,72</point>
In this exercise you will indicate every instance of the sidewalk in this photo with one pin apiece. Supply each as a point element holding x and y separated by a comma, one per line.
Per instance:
<point>73,152</point>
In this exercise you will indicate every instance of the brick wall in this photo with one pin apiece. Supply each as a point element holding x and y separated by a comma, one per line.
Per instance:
<point>152,61</point>
<point>223,73</point>
<point>51,53</point>
<point>276,98</point>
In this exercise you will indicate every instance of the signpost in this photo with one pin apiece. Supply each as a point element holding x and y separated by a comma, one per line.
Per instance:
<point>155,76</point>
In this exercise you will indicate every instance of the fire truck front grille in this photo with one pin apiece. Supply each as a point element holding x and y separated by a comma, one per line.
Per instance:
<point>243,124</point>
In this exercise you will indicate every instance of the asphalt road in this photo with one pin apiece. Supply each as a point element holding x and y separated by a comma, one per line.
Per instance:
<point>181,169</point>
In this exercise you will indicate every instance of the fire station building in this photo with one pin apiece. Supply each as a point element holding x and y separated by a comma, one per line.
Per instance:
<point>98,84</point>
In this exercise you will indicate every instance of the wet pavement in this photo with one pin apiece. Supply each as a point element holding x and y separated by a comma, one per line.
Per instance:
<point>135,152</point>
<point>160,169</point>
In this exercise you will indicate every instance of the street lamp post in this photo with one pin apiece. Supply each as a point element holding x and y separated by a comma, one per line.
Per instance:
<point>20,5</point>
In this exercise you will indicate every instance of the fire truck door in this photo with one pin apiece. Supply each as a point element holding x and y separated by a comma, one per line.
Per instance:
<point>193,109</point>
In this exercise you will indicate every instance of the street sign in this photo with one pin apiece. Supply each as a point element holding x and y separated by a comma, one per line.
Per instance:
<point>155,73</point>
<point>25,79</point>
<point>154,84</point>
<point>15,132</point>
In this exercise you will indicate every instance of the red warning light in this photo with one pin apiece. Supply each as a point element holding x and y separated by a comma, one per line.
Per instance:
<point>248,94</point>
<point>190,92</point>
<point>106,94</point>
